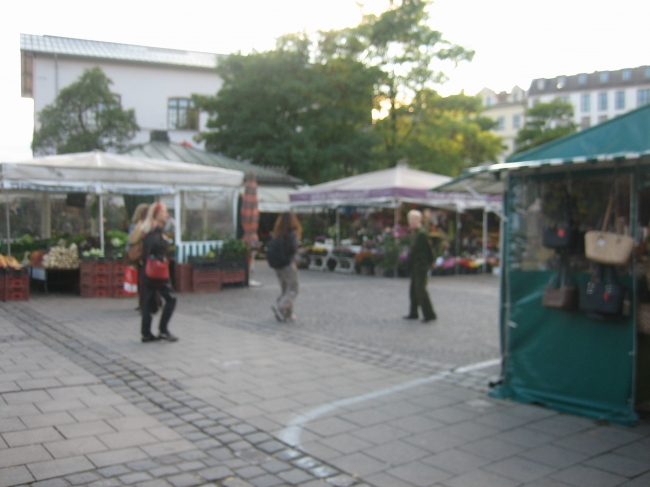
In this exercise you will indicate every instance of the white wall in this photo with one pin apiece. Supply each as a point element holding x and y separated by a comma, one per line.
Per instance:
<point>594,113</point>
<point>141,87</point>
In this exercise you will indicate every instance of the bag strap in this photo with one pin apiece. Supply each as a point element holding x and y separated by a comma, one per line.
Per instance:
<point>607,213</point>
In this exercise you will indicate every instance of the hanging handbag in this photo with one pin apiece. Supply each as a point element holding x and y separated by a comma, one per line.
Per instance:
<point>608,247</point>
<point>134,254</point>
<point>157,269</point>
<point>603,294</point>
<point>565,296</point>
<point>564,235</point>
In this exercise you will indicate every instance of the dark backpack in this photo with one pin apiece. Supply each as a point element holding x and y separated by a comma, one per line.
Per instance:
<point>276,253</point>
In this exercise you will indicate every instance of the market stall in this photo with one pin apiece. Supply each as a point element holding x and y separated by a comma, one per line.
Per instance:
<point>575,328</point>
<point>391,188</point>
<point>83,188</point>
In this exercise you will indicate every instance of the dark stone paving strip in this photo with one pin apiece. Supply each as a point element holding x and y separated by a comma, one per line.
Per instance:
<point>229,452</point>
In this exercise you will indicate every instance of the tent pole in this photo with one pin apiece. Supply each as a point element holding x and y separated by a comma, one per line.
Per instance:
<point>485,238</point>
<point>100,204</point>
<point>338,228</point>
<point>177,227</point>
<point>46,216</point>
<point>396,221</point>
<point>8,225</point>
<point>458,226</point>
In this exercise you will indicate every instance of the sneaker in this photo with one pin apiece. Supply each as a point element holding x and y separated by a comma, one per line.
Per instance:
<point>278,313</point>
<point>168,336</point>
<point>291,318</point>
<point>149,338</point>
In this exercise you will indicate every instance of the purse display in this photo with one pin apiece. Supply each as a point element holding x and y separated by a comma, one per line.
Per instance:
<point>564,235</point>
<point>157,269</point>
<point>566,295</point>
<point>608,247</point>
<point>603,294</point>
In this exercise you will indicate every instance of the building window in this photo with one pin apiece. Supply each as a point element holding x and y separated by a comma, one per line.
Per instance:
<point>604,77</point>
<point>602,101</point>
<point>642,97</point>
<point>585,123</point>
<point>566,99</point>
<point>582,79</point>
<point>561,82</point>
<point>27,74</point>
<point>602,118</point>
<point>585,103</point>
<point>488,101</point>
<point>627,75</point>
<point>516,121</point>
<point>181,114</point>
<point>647,72</point>
<point>501,123</point>
<point>620,100</point>
<point>540,84</point>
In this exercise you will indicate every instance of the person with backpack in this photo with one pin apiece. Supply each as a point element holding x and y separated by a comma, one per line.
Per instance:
<point>421,256</point>
<point>281,253</point>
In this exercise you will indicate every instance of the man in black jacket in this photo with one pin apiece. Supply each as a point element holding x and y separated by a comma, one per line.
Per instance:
<point>421,257</point>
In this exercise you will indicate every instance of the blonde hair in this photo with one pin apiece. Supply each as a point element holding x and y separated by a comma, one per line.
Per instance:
<point>150,221</point>
<point>414,214</point>
<point>140,212</point>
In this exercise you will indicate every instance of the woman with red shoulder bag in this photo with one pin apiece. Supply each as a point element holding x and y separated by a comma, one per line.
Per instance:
<point>156,274</point>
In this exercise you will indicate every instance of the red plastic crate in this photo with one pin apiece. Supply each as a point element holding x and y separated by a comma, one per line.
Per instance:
<point>16,282</point>
<point>95,280</point>
<point>95,291</point>
<point>95,267</point>
<point>118,292</point>
<point>183,277</point>
<point>117,280</point>
<point>118,268</point>
<point>17,294</point>
<point>233,276</point>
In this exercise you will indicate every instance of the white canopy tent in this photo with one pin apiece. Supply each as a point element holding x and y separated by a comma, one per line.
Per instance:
<point>103,173</point>
<point>389,188</point>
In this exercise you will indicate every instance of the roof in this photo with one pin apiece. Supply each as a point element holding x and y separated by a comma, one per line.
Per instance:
<point>624,138</point>
<point>177,152</point>
<point>64,46</point>
<point>102,172</point>
<point>591,81</point>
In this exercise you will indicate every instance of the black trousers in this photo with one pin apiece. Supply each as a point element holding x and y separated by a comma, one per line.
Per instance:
<point>149,305</point>
<point>419,295</point>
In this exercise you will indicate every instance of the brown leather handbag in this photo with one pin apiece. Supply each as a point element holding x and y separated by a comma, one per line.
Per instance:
<point>134,254</point>
<point>564,296</point>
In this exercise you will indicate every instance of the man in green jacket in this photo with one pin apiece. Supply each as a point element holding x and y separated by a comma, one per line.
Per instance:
<point>421,257</point>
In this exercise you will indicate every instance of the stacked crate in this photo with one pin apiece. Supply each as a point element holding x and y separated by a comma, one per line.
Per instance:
<point>206,280</point>
<point>14,286</point>
<point>183,277</point>
<point>117,280</point>
<point>95,279</point>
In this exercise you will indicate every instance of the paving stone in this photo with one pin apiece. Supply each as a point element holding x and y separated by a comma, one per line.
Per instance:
<point>116,457</point>
<point>215,473</point>
<point>295,476</point>
<point>271,446</point>
<point>31,436</point>
<point>11,457</point>
<point>60,467</point>
<point>520,469</point>
<point>163,471</point>
<point>154,483</point>
<point>275,466</point>
<point>266,481</point>
<point>135,477</point>
<point>113,471</point>
<point>306,463</point>
<point>82,478</point>
<point>479,478</point>
<point>235,482</point>
<point>341,481</point>
<point>51,483</point>
<point>184,480</point>
<point>581,476</point>
<point>288,454</point>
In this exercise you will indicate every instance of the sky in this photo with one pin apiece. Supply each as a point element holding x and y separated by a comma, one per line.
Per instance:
<point>515,41</point>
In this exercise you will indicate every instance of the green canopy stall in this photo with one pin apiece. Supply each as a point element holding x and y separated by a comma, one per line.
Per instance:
<point>573,360</point>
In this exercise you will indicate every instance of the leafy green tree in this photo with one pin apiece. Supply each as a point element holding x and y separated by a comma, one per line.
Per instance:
<point>85,116</point>
<point>278,109</point>
<point>406,50</point>
<point>449,134</point>
<point>545,122</point>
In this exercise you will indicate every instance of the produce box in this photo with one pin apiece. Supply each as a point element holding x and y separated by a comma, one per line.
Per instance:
<point>15,287</point>
<point>88,291</point>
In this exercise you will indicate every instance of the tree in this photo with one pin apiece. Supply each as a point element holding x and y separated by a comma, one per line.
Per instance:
<point>278,109</point>
<point>449,134</point>
<point>545,122</point>
<point>85,116</point>
<point>405,49</point>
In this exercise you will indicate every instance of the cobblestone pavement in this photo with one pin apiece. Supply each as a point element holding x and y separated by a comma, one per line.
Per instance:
<point>348,395</point>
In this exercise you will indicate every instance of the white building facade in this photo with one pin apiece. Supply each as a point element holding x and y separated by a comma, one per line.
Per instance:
<point>507,110</point>
<point>157,83</point>
<point>596,97</point>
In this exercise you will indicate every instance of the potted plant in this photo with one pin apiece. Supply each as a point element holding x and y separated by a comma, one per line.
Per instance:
<point>233,261</point>
<point>365,262</point>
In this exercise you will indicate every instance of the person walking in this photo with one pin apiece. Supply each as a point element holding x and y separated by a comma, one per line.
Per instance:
<point>135,240</point>
<point>421,257</point>
<point>287,232</point>
<point>154,252</point>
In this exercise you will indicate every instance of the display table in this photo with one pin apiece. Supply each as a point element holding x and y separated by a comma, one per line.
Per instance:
<point>344,265</point>
<point>61,278</point>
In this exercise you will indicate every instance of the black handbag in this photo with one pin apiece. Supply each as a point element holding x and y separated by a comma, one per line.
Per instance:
<point>563,235</point>
<point>603,294</point>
